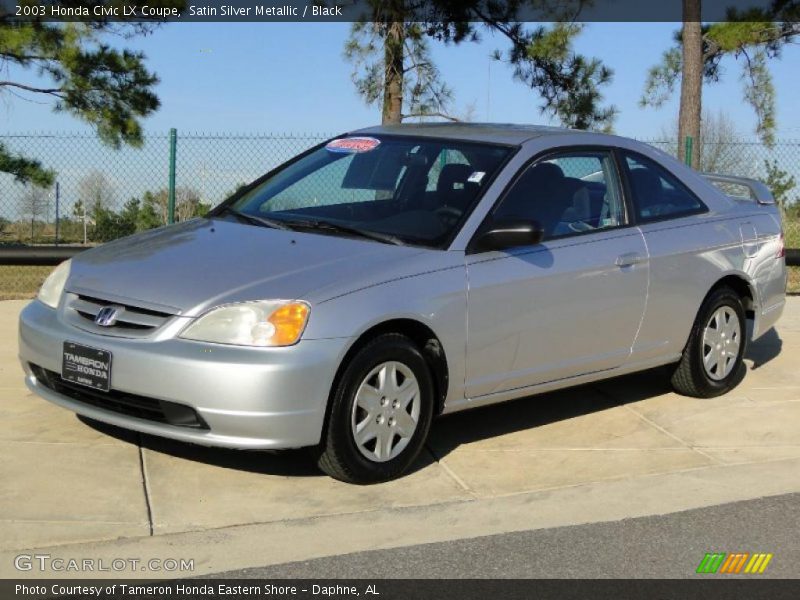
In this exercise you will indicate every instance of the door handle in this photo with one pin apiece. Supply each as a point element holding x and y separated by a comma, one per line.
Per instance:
<point>629,259</point>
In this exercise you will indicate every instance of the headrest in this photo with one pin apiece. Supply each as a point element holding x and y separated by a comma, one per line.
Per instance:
<point>452,174</point>
<point>548,171</point>
<point>544,177</point>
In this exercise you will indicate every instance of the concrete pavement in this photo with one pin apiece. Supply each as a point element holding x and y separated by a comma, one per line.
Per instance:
<point>622,448</point>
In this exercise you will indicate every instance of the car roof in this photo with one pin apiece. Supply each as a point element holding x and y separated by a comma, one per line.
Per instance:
<point>498,133</point>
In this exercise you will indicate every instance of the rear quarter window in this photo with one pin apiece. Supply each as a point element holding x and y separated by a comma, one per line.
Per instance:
<point>657,193</point>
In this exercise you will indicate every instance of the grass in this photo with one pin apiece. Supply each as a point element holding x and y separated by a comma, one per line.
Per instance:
<point>21,282</point>
<point>791,232</point>
<point>793,287</point>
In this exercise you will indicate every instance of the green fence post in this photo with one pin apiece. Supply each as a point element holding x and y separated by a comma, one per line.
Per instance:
<point>58,216</point>
<point>173,146</point>
<point>688,150</point>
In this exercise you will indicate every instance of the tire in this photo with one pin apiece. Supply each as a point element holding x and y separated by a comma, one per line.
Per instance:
<point>376,399</point>
<point>704,372</point>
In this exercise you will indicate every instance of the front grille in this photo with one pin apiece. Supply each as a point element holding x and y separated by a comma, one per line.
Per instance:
<point>131,321</point>
<point>141,407</point>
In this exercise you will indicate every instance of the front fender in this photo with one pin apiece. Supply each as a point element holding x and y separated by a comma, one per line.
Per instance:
<point>436,299</point>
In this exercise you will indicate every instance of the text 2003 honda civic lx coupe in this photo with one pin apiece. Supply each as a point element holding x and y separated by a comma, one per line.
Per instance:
<point>392,274</point>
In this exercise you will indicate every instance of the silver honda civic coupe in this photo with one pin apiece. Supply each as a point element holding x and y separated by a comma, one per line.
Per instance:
<point>397,273</point>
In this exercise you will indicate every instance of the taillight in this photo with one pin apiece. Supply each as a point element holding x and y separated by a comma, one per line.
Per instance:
<point>781,247</point>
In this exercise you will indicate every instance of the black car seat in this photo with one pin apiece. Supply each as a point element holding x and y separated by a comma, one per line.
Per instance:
<point>578,200</point>
<point>453,189</point>
<point>537,195</point>
<point>647,191</point>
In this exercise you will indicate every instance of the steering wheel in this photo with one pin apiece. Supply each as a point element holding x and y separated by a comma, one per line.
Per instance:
<point>579,226</point>
<point>448,215</point>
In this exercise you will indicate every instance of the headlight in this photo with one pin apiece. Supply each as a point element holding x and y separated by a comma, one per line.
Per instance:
<point>263,323</point>
<point>53,286</point>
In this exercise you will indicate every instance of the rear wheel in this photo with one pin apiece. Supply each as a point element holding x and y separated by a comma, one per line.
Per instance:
<point>380,413</point>
<point>712,363</point>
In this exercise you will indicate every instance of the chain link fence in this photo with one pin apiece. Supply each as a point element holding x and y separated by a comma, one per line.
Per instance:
<point>103,194</point>
<point>778,167</point>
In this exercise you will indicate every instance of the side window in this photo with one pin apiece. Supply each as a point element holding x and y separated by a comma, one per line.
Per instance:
<point>567,194</point>
<point>657,194</point>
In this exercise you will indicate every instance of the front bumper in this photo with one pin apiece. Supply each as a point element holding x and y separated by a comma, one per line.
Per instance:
<point>256,398</point>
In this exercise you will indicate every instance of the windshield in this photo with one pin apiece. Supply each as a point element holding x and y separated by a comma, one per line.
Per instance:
<point>404,189</point>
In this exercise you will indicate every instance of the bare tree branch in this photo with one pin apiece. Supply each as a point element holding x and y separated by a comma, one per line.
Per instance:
<point>28,88</point>
<point>433,114</point>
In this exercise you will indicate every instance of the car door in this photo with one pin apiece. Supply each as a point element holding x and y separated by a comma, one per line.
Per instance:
<point>569,305</point>
<point>684,246</point>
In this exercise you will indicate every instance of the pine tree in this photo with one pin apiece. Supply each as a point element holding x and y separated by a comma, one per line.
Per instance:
<point>393,68</point>
<point>751,37</point>
<point>79,73</point>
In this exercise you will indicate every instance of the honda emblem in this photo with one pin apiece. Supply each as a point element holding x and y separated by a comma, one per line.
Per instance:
<point>107,316</point>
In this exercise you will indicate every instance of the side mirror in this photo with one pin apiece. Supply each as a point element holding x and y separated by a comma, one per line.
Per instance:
<point>505,234</point>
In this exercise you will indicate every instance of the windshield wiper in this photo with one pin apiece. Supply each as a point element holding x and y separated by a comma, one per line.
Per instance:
<point>254,219</point>
<point>385,238</point>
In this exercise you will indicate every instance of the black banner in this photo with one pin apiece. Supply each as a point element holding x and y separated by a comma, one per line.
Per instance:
<point>371,10</point>
<point>404,589</point>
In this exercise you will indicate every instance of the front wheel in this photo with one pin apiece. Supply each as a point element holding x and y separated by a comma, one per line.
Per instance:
<point>712,363</point>
<point>380,414</point>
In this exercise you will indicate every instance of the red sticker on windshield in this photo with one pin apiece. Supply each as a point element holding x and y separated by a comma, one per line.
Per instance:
<point>353,144</point>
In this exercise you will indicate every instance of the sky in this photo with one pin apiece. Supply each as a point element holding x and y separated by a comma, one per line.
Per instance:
<point>292,77</point>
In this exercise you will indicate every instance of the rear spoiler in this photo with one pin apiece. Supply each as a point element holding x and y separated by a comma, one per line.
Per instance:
<point>755,190</point>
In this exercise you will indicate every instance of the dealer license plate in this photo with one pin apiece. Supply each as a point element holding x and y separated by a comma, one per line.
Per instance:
<point>86,366</point>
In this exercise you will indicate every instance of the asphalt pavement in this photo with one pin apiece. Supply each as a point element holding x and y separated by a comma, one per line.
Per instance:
<point>668,546</point>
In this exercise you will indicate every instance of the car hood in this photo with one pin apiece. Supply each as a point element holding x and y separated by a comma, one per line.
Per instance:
<point>190,267</point>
